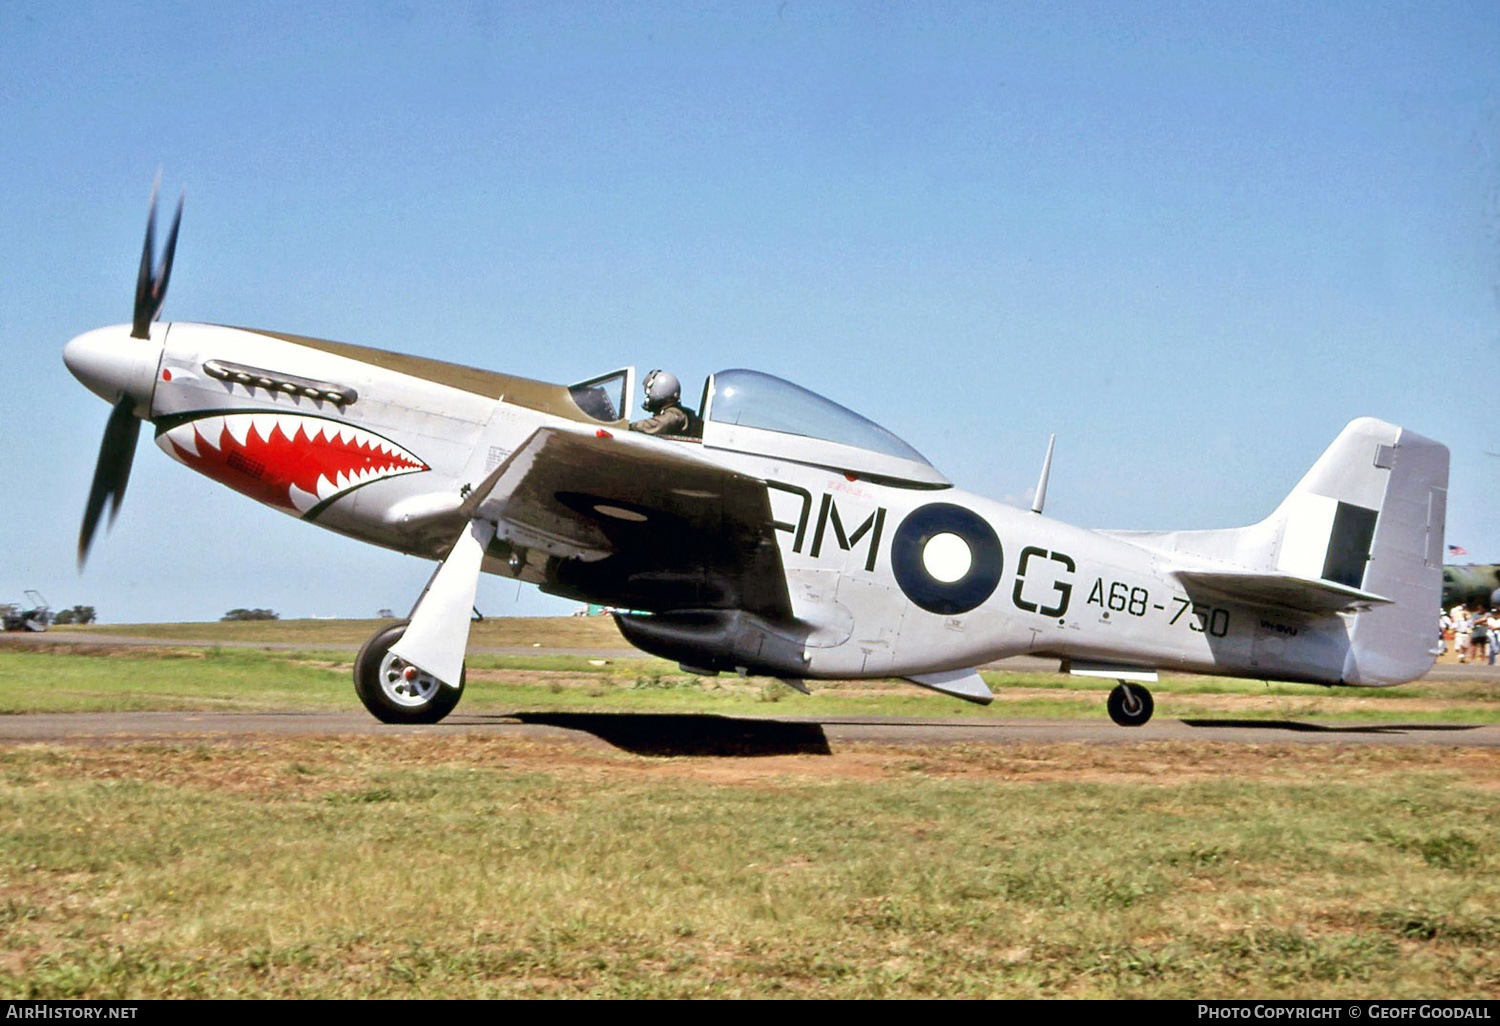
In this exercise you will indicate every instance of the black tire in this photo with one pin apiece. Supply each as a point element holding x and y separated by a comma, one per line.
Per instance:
<point>1130,705</point>
<point>379,697</point>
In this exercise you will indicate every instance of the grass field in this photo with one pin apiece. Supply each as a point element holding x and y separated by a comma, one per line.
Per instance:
<point>483,865</point>
<point>112,678</point>
<point>517,631</point>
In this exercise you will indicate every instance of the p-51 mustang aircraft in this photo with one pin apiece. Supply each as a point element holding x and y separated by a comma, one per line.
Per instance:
<point>793,538</point>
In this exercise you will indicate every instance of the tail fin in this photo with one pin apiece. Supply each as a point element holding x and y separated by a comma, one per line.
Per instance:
<point>1362,530</point>
<point>1370,515</point>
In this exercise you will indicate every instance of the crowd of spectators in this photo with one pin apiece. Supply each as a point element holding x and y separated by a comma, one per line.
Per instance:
<point>1473,631</point>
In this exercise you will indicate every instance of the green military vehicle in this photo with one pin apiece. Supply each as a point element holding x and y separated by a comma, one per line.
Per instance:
<point>1471,584</point>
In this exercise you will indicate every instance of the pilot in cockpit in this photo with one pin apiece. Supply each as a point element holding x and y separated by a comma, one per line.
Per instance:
<point>664,403</point>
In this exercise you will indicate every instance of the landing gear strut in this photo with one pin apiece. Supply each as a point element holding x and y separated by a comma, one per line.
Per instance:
<point>1130,705</point>
<point>394,690</point>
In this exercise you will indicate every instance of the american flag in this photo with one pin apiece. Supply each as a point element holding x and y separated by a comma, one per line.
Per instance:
<point>1457,550</point>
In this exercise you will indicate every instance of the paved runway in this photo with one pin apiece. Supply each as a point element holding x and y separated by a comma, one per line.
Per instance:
<point>708,734</point>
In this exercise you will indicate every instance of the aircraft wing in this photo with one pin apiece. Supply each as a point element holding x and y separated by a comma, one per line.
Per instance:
<point>1282,591</point>
<point>638,522</point>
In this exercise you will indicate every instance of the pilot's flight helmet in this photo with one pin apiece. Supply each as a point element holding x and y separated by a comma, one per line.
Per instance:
<point>662,389</point>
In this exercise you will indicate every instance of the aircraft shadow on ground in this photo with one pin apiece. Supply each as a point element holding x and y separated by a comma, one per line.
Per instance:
<point>1318,728</point>
<point>693,734</point>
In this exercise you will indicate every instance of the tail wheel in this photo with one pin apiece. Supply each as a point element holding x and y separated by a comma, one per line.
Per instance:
<point>1130,705</point>
<point>394,690</point>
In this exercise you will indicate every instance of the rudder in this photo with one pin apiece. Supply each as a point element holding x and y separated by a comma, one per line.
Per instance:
<point>1370,515</point>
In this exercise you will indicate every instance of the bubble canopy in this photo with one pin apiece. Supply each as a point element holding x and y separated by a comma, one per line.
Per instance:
<point>757,412</point>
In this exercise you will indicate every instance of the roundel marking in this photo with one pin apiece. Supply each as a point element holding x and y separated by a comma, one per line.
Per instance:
<point>947,559</point>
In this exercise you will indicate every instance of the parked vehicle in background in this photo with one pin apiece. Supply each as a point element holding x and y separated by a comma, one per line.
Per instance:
<point>36,618</point>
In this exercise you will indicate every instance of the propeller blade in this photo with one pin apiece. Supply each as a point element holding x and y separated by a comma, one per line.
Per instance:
<point>117,450</point>
<point>141,326</point>
<point>151,287</point>
<point>111,474</point>
<point>164,273</point>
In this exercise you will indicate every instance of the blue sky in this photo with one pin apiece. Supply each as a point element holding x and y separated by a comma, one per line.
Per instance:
<point>1192,239</point>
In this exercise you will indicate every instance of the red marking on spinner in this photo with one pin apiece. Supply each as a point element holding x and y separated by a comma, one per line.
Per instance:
<point>315,463</point>
<point>166,375</point>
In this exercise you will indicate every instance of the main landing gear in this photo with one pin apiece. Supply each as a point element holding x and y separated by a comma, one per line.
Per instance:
<point>1130,705</point>
<point>394,690</point>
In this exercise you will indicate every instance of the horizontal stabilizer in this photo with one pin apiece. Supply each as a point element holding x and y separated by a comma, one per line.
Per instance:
<point>1281,591</point>
<point>965,684</point>
<point>1360,536</point>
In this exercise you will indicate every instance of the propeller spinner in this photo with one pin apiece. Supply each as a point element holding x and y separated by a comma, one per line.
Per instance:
<point>121,368</point>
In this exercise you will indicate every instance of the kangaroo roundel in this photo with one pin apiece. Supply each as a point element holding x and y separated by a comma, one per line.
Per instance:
<point>946,558</point>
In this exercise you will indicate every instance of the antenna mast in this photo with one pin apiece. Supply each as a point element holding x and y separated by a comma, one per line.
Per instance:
<point>1041,484</point>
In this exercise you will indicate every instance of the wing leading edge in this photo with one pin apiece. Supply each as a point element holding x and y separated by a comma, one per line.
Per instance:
<point>640,523</point>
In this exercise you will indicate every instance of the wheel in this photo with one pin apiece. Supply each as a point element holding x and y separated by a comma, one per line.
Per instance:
<point>395,691</point>
<point>1130,705</point>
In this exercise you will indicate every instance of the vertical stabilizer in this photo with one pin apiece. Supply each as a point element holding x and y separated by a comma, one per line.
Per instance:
<point>1328,521</point>
<point>1369,515</point>
<point>1396,643</point>
<point>1366,520</point>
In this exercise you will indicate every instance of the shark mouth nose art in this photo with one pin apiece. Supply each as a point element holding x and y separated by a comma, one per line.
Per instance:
<point>294,462</point>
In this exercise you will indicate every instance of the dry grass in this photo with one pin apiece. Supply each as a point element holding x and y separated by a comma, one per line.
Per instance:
<point>58,677</point>
<point>596,632</point>
<point>473,866</point>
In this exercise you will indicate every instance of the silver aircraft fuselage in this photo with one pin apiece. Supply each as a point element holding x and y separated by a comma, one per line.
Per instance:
<point>885,578</point>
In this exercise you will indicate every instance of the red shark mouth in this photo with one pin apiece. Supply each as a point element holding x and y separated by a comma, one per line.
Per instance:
<point>286,460</point>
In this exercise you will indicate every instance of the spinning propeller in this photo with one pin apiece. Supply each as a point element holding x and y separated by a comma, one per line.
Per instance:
<point>112,366</point>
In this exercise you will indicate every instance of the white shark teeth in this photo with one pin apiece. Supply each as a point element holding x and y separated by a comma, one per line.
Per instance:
<point>266,423</point>
<point>184,437</point>
<point>303,501</point>
<point>209,430</point>
<point>316,430</point>
<point>374,458</point>
<point>346,480</point>
<point>238,426</point>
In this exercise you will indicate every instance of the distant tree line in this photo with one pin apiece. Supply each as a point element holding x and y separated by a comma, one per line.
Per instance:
<point>77,614</point>
<point>251,614</point>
